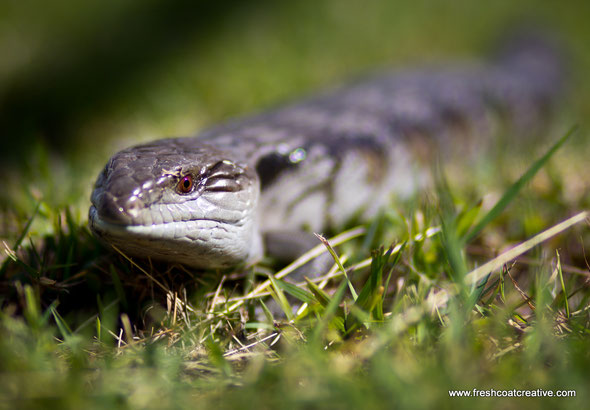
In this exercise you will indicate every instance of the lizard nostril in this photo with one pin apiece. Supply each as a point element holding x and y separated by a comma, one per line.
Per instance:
<point>110,209</point>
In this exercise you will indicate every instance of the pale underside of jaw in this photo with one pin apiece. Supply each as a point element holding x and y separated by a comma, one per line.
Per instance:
<point>192,230</point>
<point>201,243</point>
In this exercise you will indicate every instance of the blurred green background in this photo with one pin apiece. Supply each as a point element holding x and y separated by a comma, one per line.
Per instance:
<point>79,80</point>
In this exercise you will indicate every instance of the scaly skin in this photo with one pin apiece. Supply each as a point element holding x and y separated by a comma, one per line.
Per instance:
<point>313,163</point>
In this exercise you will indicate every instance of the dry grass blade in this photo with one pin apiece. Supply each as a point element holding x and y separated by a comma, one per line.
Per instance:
<point>522,293</point>
<point>156,281</point>
<point>475,275</point>
<point>251,345</point>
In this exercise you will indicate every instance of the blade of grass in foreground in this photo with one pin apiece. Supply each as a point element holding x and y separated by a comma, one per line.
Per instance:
<point>511,193</point>
<point>435,300</point>
<point>339,263</point>
<point>302,260</point>
<point>329,313</point>
<point>567,306</point>
<point>279,297</point>
<point>477,274</point>
<point>12,253</point>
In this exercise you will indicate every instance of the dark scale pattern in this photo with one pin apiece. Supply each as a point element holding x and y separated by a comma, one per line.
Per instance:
<point>270,167</point>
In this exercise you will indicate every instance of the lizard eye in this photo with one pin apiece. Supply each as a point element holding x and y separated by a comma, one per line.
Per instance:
<point>185,185</point>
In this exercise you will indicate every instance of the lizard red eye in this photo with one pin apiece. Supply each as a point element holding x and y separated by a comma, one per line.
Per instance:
<point>185,185</point>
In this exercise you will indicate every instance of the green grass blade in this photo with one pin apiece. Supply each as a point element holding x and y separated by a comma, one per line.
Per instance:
<point>295,291</point>
<point>267,313</point>
<point>395,261</point>
<point>378,309</point>
<point>339,263</point>
<point>322,297</point>
<point>16,245</point>
<point>216,356</point>
<point>560,272</point>
<point>374,280</point>
<point>371,295</point>
<point>32,311</point>
<point>467,218</point>
<point>329,313</point>
<point>27,227</point>
<point>98,330</point>
<point>511,193</point>
<point>280,298</point>
<point>63,327</point>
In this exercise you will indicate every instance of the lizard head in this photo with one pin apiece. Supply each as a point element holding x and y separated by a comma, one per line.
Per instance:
<point>179,201</point>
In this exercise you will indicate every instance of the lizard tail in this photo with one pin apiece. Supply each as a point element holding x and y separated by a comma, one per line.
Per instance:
<point>539,59</point>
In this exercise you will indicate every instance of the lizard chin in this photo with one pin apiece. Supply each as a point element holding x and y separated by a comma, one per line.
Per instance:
<point>205,244</point>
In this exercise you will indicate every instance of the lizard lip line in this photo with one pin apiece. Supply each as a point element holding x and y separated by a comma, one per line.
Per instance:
<point>101,225</point>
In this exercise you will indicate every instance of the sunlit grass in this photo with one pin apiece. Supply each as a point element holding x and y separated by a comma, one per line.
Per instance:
<point>482,283</point>
<point>82,326</point>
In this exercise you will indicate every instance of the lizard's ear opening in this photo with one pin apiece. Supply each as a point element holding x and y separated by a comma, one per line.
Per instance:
<point>272,165</point>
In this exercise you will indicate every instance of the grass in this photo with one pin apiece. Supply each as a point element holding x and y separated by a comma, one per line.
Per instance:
<point>401,326</point>
<point>480,284</point>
